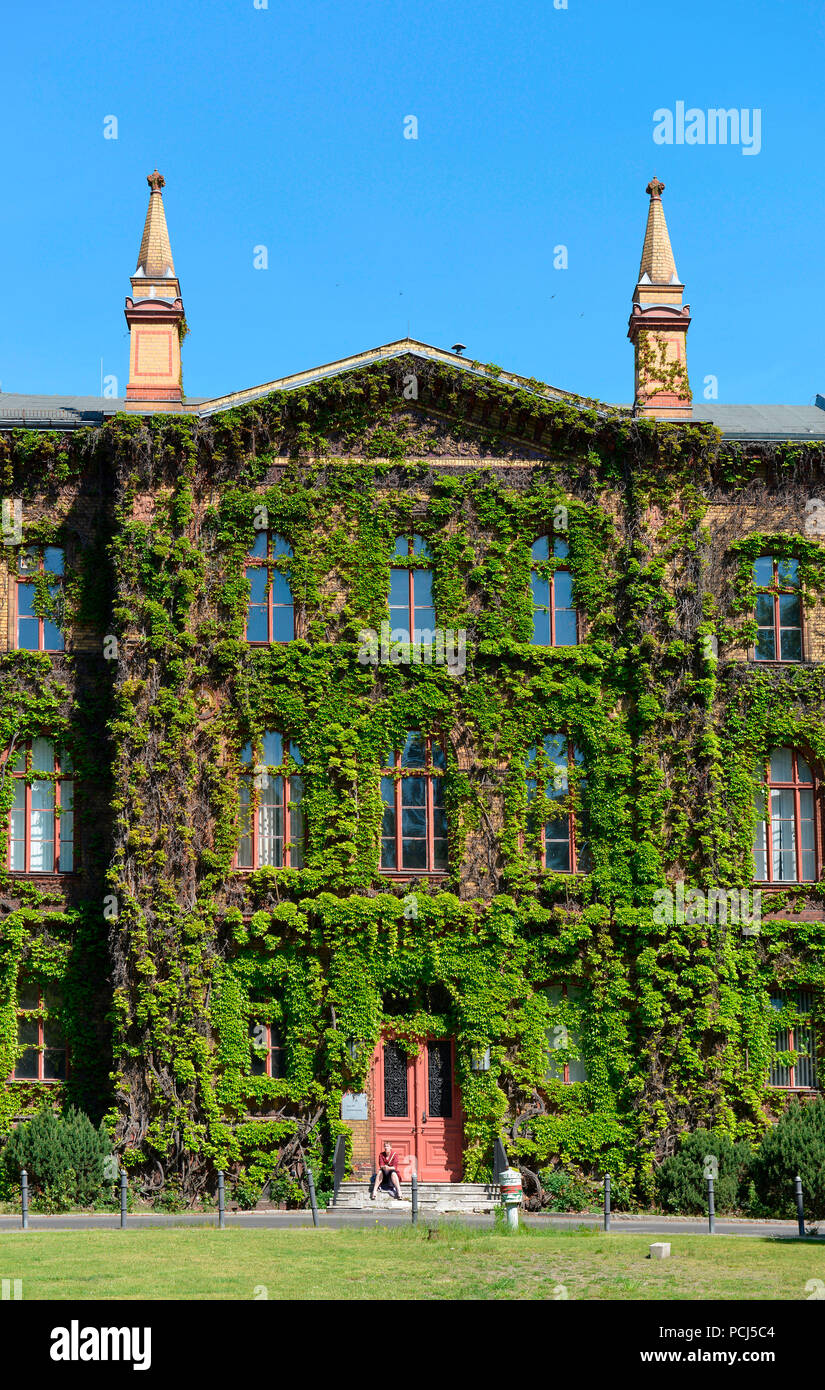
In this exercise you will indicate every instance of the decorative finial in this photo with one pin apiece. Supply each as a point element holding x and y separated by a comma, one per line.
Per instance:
<point>655,188</point>
<point>155,181</point>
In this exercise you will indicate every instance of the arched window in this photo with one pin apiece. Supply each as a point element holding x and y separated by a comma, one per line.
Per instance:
<point>549,767</point>
<point>414,830</point>
<point>42,1051</point>
<point>41,838</point>
<point>271,795</point>
<point>778,610</point>
<point>785,849</point>
<point>793,1065</point>
<point>411,592</point>
<point>39,566</point>
<point>555,622</point>
<point>271,616</point>
<point>267,1054</point>
<point>564,1059</point>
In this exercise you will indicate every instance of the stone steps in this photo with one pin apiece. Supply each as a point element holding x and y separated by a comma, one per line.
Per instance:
<point>432,1197</point>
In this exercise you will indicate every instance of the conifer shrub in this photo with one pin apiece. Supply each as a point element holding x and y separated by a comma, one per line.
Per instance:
<point>794,1145</point>
<point>63,1157</point>
<point>681,1184</point>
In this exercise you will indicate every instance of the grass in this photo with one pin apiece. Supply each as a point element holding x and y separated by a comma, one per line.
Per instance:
<point>451,1263</point>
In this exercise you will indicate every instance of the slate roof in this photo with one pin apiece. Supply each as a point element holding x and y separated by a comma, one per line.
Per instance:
<point>754,422</point>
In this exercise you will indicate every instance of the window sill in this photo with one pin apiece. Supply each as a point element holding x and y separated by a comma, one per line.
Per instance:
<point>406,875</point>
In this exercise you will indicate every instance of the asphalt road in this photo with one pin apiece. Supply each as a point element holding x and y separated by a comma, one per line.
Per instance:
<point>351,1220</point>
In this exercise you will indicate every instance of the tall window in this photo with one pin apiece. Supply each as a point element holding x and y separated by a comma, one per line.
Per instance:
<point>271,792</point>
<point>794,1044</point>
<point>414,830</point>
<point>40,576</point>
<point>271,616</point>
<point>267,1052</point>
<point>411,592</point>
<point>785,838</point>
<point>778,610</point>
<point>564,1060</point>
<point>41,839</point>
<point>549,767</point>
<point>555,622</point>
<point>42,1053</point>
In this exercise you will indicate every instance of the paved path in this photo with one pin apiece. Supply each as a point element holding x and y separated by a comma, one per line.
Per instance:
<point>353,1220</point>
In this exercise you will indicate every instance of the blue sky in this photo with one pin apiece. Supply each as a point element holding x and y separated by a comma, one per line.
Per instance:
<point>284,127</point>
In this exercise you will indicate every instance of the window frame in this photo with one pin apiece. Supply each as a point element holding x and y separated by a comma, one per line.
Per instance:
<point>793,996</point>
<point>272,562</point>
<point>565,986</point>
<point>40,1016</point>
<point>286,773</point>
<point>272,1047</point>
<point>766,787</point>
<point>60,780</point>
<point>776,591</point>
<point>431,775</point>
<point>410,565</point>
<point>21,581</point>
<point>551,608</point>
<point>575,842</point>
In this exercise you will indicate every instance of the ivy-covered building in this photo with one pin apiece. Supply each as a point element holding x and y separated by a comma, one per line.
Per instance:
<point>406,749</point>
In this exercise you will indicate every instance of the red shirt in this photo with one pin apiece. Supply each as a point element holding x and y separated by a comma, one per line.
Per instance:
<point>388,1158</point>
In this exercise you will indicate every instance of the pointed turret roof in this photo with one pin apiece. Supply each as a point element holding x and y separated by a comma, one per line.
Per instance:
<point>155,255</point>
<point>657,256</point>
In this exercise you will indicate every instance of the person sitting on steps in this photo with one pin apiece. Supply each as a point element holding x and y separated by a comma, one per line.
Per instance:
<point>387,1172</point>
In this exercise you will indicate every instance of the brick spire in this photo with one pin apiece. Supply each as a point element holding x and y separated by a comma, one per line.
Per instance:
<point>154,313</point>
<point>657,256</point>
<point>659,322</point>
<point>155,255</point>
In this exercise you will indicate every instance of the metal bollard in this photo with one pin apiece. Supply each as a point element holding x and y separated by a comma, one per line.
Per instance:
<point>800,1204</point>
<point>510,1186</point>
<point>414,1186</point>
<point>607,1201</point>
<point>711,1209</point>
<point>24,1197</point>
<point>123,1194</point>
<point>312,1201</point>
<point>221,1202</point>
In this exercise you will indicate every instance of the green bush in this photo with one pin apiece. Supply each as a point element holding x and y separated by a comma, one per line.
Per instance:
<point>63,1157</point>
<point>565,1192</point>
<point>680,1181</point>
<point>795,1144</point>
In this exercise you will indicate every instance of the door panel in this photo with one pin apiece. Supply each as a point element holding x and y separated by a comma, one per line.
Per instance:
<point>417,1107</point>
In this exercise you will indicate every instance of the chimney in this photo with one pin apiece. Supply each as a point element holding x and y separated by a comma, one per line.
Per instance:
<point>659,323</point>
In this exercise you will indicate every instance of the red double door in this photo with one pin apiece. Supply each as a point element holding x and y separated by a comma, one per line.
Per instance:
<point>417,1108</point>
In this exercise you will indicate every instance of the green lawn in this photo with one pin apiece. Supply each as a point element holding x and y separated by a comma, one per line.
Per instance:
<point>454,1263</point>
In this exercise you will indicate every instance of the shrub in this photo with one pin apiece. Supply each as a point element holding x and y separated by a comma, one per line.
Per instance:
<point>681,1183</point>
<point>795,1144</point>
<point>564,1191</point>
<point>63,1157</point>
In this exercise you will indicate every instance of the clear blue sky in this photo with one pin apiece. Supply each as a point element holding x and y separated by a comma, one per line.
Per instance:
<point>283,127</point>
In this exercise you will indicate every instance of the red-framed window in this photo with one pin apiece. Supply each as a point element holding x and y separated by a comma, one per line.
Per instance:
<point>39,567</point>
<point>564,1034</point>
<point>786,836</point>
<point>41,824</point>
<point>555,620</point>
<point>271,796</point>
<point>778,610</point>
<point>271,614</point>
<point>42,1051</point>
<point>267,1054</point>
<point>793,1066</point>
<point>412,614</point>
<point>549,767</point>
<point>414,828</point>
